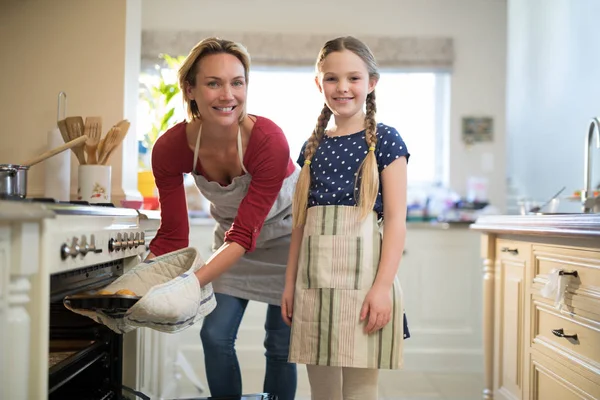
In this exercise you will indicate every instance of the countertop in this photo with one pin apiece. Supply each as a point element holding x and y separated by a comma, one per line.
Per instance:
<point>437,225</point>
<point>149,214</point>
<point>204,221</point>
<point>554,224</point>
<point>22,211</point>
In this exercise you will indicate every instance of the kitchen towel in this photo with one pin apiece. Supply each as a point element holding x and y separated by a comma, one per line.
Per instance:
<point>57,169</point>
<point>555,287</point>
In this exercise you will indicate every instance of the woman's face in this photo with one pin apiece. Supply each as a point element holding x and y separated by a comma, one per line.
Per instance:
<point>220,90</point>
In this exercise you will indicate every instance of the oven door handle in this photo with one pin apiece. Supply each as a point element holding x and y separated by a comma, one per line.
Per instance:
<point>135,392</point>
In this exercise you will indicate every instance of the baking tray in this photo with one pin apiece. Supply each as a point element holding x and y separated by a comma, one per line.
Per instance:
<point>110,304</point>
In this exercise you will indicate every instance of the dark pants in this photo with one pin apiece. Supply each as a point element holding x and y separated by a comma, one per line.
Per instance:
<point>218,334</point>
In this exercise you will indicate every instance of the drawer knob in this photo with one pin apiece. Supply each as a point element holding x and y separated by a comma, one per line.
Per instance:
<point>561,333</point>
<point>511,251</point>
<point>572,273</point>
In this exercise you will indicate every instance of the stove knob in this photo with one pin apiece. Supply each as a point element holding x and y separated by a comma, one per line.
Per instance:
<point>92,245</point>
<point>142,239</point>
<point>74,248</point>
<point>130,242</point>
<point>65,251</point>
<point>119,243</point>
<point>136,240</point>
<point>84,248</point>
<point>114,244</point>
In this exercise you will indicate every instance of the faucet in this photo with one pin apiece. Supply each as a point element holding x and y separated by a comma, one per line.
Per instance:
<point>590,204</point>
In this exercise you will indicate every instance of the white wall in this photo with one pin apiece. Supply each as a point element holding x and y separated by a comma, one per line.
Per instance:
<point>477,26</point>
<point>553,91</point>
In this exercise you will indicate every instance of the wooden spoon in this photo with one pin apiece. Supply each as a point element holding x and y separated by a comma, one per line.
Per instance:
<point>73,143</point>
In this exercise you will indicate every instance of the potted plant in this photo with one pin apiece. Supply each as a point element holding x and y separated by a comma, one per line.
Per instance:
<point>159,97</point>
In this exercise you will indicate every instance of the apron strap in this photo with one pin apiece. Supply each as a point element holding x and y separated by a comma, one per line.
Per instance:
<point>239,148</point>
<point>196,149</point>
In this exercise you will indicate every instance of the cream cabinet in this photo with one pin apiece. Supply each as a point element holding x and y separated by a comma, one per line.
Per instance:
<point>510,266</point>
<point>441,286</point>
<point>536,347</point>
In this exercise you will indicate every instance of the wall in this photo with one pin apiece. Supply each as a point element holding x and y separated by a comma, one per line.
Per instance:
<point>478,28</point>
<point>553,91</point>
<point>80,47</point>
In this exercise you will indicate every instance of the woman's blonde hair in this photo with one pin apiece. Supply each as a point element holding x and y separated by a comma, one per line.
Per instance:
<point>189,69</point>
<point>368,171</point>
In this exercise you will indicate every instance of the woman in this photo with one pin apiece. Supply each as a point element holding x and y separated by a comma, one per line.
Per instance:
<point>241,164</point>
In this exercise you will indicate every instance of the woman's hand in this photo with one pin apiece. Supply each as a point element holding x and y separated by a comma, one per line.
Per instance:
<point>377,307</point>
<point>287,304</point>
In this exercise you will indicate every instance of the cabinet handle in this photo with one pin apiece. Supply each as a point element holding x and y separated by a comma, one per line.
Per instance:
<point>511,251</point>
<point>573,273</point>
<point>561,333</point>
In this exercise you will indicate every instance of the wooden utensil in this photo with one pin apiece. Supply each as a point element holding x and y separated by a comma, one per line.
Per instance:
<point>93,130</point>
<point>69,145</point>
<point>76,128</point>
<point>111,141</point>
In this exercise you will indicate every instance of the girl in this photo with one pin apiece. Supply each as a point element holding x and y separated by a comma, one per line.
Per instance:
<point>241,164</point>
<point>342,297</point>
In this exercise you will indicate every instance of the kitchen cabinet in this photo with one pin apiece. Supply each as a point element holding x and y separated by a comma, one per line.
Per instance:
<point>20,226</point>
<point>441,284</point>
<point>537,348</point>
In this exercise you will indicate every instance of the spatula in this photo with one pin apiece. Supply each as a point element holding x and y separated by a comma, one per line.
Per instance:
<point>75,128</point>
<point>93,130</point>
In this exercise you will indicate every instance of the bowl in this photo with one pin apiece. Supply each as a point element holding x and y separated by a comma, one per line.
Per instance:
<point>135,204</point>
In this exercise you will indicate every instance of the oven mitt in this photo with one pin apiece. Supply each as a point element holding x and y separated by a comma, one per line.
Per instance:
<point>171,297</point>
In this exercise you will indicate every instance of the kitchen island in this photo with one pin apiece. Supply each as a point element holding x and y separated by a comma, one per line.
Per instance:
<point>541,347</point>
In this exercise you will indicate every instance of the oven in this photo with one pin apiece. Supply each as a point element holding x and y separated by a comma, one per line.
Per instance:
<point>69,356</point>
<point>84,357</point>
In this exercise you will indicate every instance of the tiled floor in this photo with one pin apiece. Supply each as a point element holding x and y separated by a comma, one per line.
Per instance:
<point>393,385</point>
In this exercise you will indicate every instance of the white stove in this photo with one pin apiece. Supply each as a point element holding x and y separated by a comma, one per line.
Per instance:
<point>81,236</point>
<point>77,243</point>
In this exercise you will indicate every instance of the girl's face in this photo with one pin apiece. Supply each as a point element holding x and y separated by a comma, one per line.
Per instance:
<point>220,90</point>
<point>344,81</point>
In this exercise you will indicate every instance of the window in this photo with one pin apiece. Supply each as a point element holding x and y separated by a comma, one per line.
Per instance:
<point>413,102</point>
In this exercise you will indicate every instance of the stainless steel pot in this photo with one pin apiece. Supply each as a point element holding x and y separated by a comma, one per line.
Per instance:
<point>13,181</point>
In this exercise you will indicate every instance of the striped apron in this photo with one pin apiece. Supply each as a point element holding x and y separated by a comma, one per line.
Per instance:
<point>338,262</point>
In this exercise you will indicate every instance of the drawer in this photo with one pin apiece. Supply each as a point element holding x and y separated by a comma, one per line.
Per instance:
<point>585,262</point>
<point>552,381</point>
<point>549,325</point>
<point>510,249</point>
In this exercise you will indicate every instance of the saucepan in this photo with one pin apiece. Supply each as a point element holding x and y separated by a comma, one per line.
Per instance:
<point>13,181</point>
<point>13,177</point>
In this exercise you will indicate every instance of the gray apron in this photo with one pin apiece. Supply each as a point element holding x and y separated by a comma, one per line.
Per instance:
<point>259,275</point>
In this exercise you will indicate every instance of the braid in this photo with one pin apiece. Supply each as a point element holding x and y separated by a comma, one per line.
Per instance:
<point>368,170</point>
<point>300,202</point>
<point>317,135</point>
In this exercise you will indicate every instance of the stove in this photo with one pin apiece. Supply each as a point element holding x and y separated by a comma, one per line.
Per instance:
<point>81,246</point>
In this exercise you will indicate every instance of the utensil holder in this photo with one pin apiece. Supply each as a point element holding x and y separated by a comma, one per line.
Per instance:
<point>94,183</point>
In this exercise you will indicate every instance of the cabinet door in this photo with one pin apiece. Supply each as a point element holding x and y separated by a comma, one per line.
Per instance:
<point>511,263</point>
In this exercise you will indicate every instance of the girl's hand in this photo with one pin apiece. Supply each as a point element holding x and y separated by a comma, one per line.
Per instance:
<point>378,307</point>
<point>287,304</point>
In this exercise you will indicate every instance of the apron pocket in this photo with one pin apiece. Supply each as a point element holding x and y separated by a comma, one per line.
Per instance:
<point>336,262</point>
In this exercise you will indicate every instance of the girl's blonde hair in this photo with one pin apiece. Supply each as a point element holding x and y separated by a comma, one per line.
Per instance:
<point>186,74</point>
<point>368,171</point>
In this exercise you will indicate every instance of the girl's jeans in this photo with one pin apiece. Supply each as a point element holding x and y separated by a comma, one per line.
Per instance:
<point>218,334</point>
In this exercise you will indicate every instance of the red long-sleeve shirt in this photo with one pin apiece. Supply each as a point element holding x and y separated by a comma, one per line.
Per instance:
<point>267,160</point>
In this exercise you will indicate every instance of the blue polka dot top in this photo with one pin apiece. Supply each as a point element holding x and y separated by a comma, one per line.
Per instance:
<point>337,159</point>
